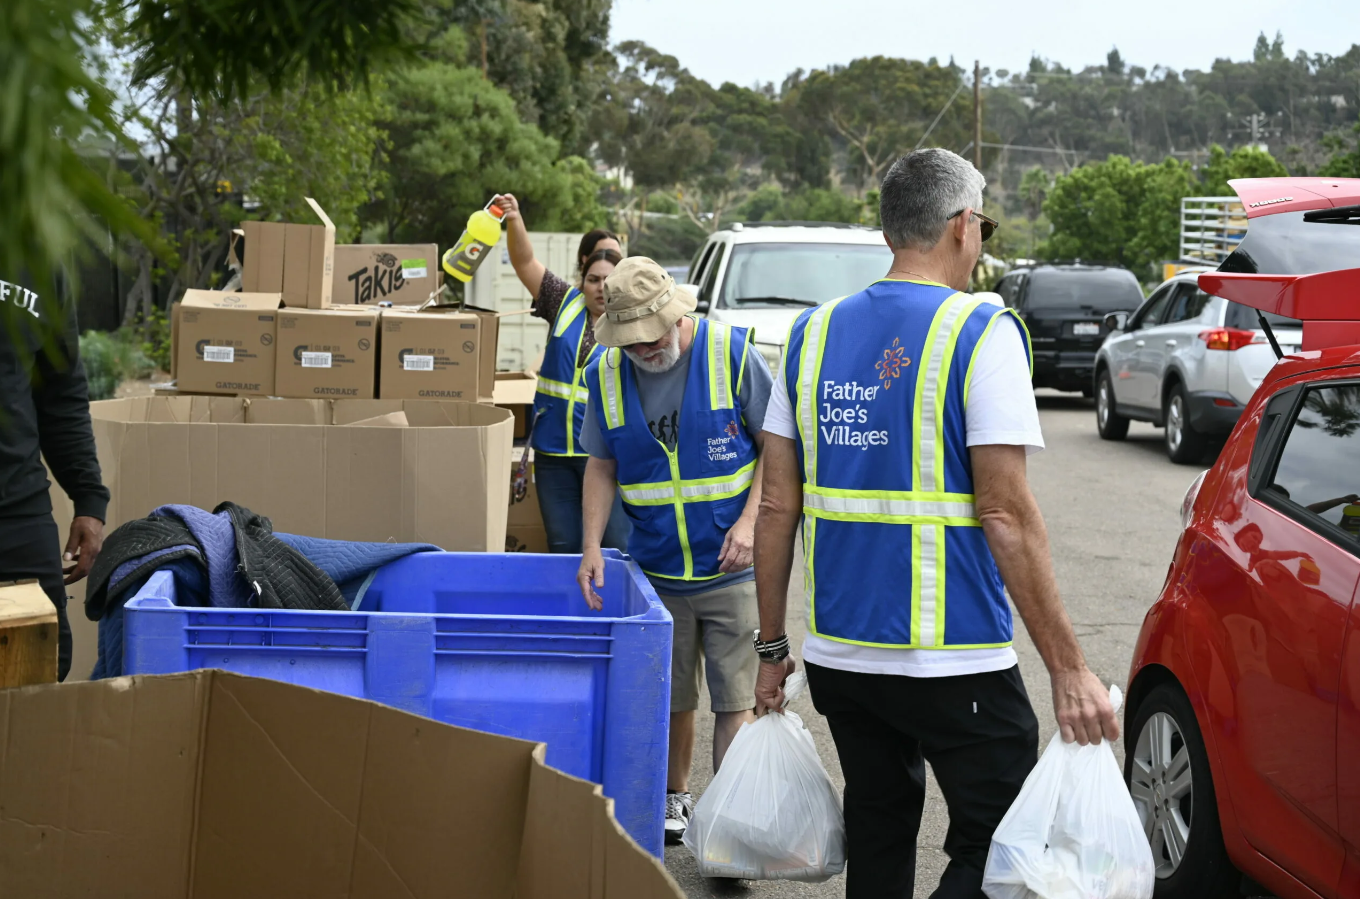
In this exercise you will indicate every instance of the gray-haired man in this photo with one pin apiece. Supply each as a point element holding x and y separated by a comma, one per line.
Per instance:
<point>897,436</point>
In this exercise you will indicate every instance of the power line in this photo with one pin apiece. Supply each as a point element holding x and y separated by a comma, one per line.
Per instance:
<point>938,117</point>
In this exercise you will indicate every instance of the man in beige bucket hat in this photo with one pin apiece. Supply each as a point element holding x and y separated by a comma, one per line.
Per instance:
<point>674,424</point>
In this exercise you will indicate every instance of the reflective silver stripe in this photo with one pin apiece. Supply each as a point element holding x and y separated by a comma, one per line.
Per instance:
<point>862,506</point>
<point>568,314</point>
<point>807,388</point>
<point>738,483</point>
<point>931,396</point>
<point>718,365</point>
<point>636,494</point>
<point>562,390</point>
<point>611,389</point>
<point>929,582</point>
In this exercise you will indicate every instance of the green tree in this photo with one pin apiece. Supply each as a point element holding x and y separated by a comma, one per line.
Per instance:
<point>1118,211</point>
<point>1345,161</point>
<point>454,141</point>
<point>880,107</point>
<point>1243,162</point>
<point>771,204</point>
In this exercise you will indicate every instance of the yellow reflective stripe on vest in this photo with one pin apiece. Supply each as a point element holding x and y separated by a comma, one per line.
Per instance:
<point>697,490</point>
<point>612,388</point>
<point>814,341</point>
<point>891,507</point>
<point>977,347</point>
<point>567,314</point>
<point>929,577</point>
<point>719,366</point>
<point>563,390</point>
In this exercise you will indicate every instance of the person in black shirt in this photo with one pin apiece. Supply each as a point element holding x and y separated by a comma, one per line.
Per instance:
<point>45,414</point>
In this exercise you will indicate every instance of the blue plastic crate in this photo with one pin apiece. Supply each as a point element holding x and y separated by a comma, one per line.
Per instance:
<point>496,642</point>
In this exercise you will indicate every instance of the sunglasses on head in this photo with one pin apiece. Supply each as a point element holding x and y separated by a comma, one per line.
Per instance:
<point>986,223</point>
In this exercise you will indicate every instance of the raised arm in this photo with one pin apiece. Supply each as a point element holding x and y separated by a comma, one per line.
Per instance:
<point>529,269</point>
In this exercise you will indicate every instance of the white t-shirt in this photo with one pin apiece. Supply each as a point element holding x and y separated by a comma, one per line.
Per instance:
<point>1001,410</point>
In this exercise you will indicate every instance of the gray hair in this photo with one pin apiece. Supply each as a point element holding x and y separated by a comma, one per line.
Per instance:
<point>921,191</point>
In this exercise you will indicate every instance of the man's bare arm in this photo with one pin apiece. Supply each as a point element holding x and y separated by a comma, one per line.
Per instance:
<point>597,501</point>
<point>781,509</point>
<point>1018,540</point>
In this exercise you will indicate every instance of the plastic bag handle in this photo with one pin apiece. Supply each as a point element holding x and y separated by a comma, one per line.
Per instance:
<point>794,686</point>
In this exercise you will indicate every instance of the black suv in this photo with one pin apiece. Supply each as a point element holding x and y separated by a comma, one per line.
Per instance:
<point>1064,306</point>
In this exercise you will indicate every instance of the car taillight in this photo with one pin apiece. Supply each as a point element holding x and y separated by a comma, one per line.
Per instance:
<point>1188,503</point>
<point>1227,338</point>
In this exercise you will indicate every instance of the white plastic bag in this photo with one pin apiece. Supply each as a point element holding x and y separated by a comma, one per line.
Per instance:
<point>771,812</point>
<point>1073,832</point>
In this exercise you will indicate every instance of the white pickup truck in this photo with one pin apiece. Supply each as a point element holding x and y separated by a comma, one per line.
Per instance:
<point>763,275</point>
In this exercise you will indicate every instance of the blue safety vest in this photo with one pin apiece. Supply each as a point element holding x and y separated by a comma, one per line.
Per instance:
<point>683,501</point>
<point>560,404</point>
<point>895,554</point>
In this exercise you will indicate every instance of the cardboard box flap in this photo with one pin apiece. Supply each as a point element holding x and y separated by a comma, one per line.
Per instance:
<point>390,420</point>
<point>431,414</point>
<point>217,786</point>
<point>219,299</point>
<point>288,412</point>
<point>320,213</point>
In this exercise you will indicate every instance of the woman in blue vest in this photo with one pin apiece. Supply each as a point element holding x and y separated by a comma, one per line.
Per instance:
<point>560,406</point>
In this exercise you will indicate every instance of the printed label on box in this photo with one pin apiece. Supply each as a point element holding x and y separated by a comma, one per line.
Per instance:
<point>316,360</point>
<point>219,354</point>
<point>412,269</point>
<point>418,363</point>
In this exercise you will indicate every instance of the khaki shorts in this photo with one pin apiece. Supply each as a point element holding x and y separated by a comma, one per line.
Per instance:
<point>713,632</point>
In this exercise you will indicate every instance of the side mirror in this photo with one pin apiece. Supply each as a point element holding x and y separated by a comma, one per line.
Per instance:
<point>1115,321</point>
<point>693,290</point>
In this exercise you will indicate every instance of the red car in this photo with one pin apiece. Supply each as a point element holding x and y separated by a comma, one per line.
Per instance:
<point>1242,730</point>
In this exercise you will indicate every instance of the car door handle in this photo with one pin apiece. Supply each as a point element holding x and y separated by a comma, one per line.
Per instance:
<point>1171,343</point>
<point>1139,342</point>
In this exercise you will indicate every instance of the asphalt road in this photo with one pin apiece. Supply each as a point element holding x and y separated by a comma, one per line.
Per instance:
<point>1113,514</point>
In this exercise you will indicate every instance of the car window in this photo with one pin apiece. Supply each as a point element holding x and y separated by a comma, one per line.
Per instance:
<point>1188,304</point>
<point>696,270</point>
<point>1005,288</point>
<point>772,275</point>
<point>1318,475</point>
<point>711,279</point>
<point>1087,290</point>
<point>1244,317</point>
<point>1151,313</point>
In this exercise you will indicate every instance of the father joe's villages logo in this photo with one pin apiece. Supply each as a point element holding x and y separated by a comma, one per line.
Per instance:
<point>720,448</point>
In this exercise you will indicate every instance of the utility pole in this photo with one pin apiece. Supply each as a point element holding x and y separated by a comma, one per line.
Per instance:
<point>977,114</point>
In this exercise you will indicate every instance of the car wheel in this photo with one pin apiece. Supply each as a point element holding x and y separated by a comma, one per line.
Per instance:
<point>1184,445</point>
<point>1110,424</point>
<point>1168,774</point>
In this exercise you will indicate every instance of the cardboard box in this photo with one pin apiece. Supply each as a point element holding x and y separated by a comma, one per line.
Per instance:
<point>404,274</point>
<point>313,467</point>
<point>213,785</point>
<point>224,342</point>
<point>515,390</point>
<point>432,355</point>
<point>297,261</point>
<point>327,353</point>
<point>28,635</point>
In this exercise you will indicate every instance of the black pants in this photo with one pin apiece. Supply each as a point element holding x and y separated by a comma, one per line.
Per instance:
<point>31,548</point>
<point>981,738</point>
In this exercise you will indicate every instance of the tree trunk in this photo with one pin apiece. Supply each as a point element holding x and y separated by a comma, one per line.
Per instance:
<point>485,68</point>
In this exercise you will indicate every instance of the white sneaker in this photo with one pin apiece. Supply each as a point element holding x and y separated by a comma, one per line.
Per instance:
<point>679,806</point>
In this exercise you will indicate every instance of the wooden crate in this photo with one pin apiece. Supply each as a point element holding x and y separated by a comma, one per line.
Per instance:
<point>28,635</point>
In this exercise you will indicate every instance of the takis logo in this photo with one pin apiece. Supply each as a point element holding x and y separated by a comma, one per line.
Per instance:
<point>893,361</point>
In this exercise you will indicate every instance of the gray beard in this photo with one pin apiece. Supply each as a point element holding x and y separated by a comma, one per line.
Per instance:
<point>669,356</point>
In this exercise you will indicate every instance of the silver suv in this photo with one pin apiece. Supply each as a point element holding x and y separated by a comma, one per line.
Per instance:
<point>1186,362</point>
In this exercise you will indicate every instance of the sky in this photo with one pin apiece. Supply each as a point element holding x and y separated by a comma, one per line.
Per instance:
<point>758,41</point>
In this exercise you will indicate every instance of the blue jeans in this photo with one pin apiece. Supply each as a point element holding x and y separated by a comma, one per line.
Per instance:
<point>559,481</point>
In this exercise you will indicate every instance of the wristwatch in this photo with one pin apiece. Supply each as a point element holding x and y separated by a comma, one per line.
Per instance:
<point>774,651</point>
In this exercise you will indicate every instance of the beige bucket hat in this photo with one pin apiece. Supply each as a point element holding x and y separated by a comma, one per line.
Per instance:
<point>641,303</point>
